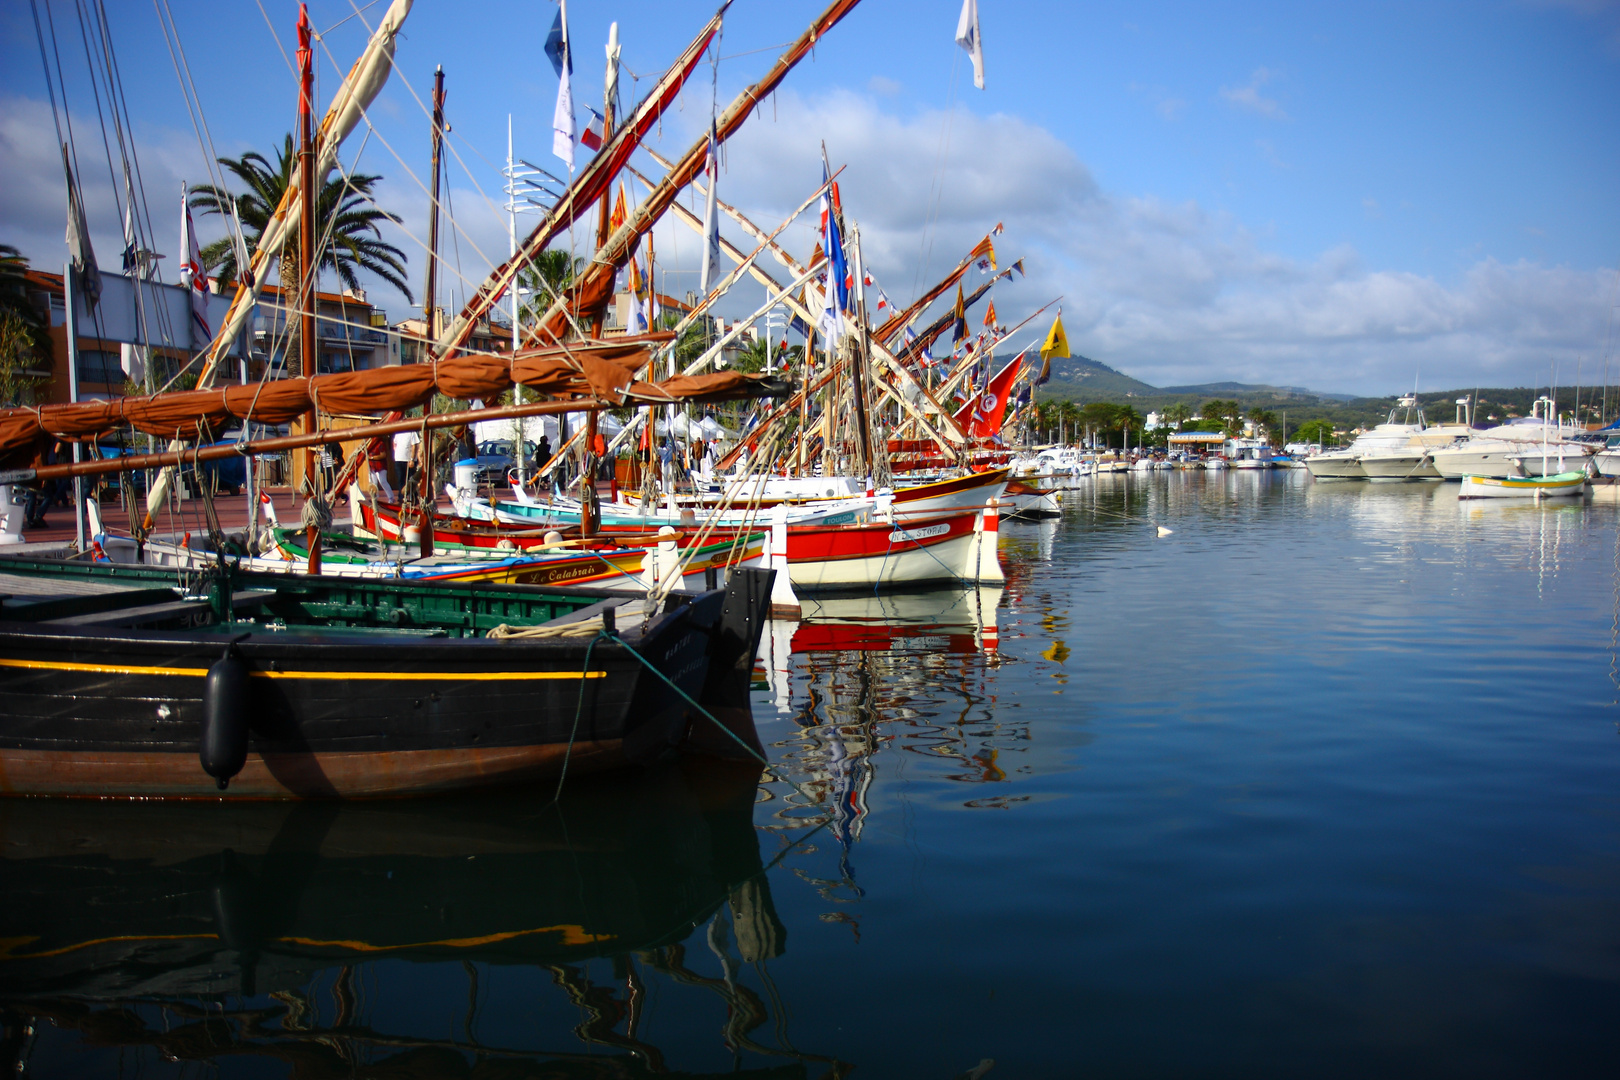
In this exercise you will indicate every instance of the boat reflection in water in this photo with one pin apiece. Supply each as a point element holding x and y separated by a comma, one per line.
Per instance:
<point>904,673</point>
<point>195,932</point>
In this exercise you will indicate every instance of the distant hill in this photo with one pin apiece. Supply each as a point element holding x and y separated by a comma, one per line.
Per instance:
<point>1230,389</point>
<point>1083,380</point>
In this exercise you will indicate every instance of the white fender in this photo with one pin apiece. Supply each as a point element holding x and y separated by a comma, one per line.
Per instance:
<point>988,526</point>
<point>669,555</point>
<point>784,603</point>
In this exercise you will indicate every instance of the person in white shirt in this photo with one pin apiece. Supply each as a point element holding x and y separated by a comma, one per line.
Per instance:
<point>405,444</point>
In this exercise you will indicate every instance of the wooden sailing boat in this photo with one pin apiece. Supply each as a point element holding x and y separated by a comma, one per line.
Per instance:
<point>119,681</point>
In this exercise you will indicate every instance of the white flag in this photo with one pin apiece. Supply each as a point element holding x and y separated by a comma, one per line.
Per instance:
<point>130,246</point>
<point>244,264</point>
<point>967,36</point>
<point>192,276</point>
<point>709,271</point>
<point>562,121</point>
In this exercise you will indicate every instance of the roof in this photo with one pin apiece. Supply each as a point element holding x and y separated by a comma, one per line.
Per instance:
<point>1198,437</point>
<point>52,283</point>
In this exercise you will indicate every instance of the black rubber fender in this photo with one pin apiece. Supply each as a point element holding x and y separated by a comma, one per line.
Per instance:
<point>224,744</point>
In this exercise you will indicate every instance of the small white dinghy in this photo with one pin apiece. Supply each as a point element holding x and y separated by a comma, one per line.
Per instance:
<point>1523,487</point>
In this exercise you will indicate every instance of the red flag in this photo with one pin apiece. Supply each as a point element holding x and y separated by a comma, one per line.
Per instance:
<point>981,417</point>
<point>990,315</point>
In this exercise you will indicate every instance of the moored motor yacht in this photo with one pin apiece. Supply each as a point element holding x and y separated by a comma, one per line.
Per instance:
<point>1534,445</point>
<point>1415,460</point>
<point>1345,464</point>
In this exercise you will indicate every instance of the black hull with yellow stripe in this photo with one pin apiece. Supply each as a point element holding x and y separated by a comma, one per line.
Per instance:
<point>351,690</point>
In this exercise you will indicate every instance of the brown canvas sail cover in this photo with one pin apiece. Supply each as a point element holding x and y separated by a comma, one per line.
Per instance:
<point>605,372</point>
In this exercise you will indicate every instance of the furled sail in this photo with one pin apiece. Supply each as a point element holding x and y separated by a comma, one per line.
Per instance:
<point>586,374</point>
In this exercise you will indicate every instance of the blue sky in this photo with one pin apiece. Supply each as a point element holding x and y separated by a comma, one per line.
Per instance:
<point>1337,196</point>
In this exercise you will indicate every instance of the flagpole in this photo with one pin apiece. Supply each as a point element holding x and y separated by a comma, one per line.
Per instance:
<point>511,239</point>
<point>72,329</point>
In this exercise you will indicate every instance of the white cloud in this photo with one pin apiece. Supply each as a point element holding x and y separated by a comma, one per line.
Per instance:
<point>1171,292</point>
<point>1248,95</point>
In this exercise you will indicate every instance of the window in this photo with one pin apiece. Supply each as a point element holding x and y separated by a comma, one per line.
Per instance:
<point>100,366</point>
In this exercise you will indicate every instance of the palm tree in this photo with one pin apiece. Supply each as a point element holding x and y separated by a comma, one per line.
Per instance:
<point>25,338</point>
<point>547,276</point>
<point>1127,419</point>
<point>346,226</point>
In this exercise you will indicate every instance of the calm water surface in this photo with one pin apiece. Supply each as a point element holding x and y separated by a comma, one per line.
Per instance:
<point>1327,782</point>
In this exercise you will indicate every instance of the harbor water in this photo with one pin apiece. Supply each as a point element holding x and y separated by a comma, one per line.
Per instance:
<point>1324,782</point>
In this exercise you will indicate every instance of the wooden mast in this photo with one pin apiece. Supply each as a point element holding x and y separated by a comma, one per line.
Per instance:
<point>587,478</point>
<point>430,311</point>
<point>430,292</point>
<point>305,287</point>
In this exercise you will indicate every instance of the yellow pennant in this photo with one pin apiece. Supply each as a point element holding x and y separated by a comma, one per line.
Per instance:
<point>1057,343</point>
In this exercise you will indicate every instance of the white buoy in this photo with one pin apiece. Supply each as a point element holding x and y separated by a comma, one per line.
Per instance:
<point>1164,531</point>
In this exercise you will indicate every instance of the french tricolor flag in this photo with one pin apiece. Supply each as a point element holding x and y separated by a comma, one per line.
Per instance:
<point>594,132</point>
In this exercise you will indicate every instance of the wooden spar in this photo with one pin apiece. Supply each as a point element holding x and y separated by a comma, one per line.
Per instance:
<point>796,400</point>
<point>956,376</point>
<point>745,262</point>
<point>863,361</point>
<point>962,369</point>
<point>604,207</point>
<point>587,474</point>
<point>949,434</point>
<point>275,444</point>
<point>593,180</point>
<point>595,285</point>
<point>359,88</point>
<point>591,183</point>
<point>430,291</point>
<point>943,323</point>
<point>899,319</point>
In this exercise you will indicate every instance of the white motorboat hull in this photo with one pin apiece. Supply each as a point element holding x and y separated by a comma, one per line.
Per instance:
<point>1500,463</point>
<point>1396,467</point>
<point>1336,466</point>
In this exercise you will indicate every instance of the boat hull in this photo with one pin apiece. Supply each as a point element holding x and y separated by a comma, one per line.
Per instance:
<point>1386,467</point>
<point>114,714</point>
<point>1523,487</point>
<point>833,558</point>
<point>1500,463</point>
<point>375,691</point>
<point>1335,467</point>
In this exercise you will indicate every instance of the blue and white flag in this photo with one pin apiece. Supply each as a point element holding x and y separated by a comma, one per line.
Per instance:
<point>709,269</point>
<point>832,319</point>
<point>562,59</point>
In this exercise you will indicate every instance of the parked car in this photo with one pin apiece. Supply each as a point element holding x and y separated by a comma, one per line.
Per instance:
<point>495,460</point>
